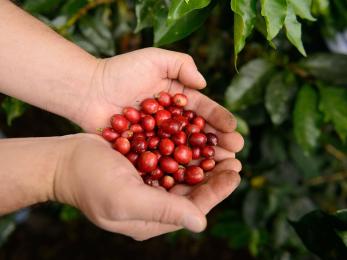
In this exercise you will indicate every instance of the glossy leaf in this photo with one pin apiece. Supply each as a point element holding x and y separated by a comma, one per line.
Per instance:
<point>180,8</point>
<point>247,87</point>
<point>71,7</point>
<point>147,12</point>
<point>244,20</point>
<point>13,108</point>
<point>274,12</point>
<point>305,118</point>
<point>302,8</point>
<point>293,30</point>
<point>334,106</point>
<point>279,93</point>
<point>41,6</point>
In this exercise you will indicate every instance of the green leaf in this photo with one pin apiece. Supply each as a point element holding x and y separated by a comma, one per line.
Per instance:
<point>302,8</point>
<point>293,30</point>
<point>69,213</point>
<point>180,8</point>
<point>328,67</point>
<point>334,106</point>
<point>14,108</point>
<point>168,33</point>
<point>242,126</point>
<point>42,7</point>
<point>305,119</point>
<point>71,7</point>
<point>147,12</point>
<point>275,12</point>
<point>7,226</point>
<point>247,87</point>
<point>244,20</point>
<point>278,96</point>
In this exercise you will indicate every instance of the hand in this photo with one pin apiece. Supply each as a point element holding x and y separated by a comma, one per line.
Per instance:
<point>102,183</point>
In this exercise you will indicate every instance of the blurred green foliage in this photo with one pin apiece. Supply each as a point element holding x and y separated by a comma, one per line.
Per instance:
<point>292,110</point>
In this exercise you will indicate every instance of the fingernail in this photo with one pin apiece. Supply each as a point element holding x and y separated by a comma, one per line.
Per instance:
<point>194,223</point>
<point>201,78</point>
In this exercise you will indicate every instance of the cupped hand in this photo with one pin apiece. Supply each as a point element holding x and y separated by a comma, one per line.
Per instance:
<point>107,188</point>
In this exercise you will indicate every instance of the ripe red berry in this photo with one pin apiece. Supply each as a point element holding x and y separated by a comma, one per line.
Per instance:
<point>196,151</point>
<point>179,174</point>
<point>122,145</point>
<point>143,114</point>
<point>191,128</point>
<point>164,99</point>
<point>170,126</point>
<point>160,108</point>
<point>190,114</point>
<point>168,165</point>
<point>141,174</point>
<point>119,123</point>
<point>147,162</point>
<point>162,134</point>
<point>150,134</point>
<point>212,139</point>
<point>180,100</point>
<point>167,182</point>
<point>157,153</point>
<point>109,134</point>
<point>197,139</point>
<point>132,114</point>
<point>128,134</point>
<point>199,121</point>
<point>157,174</point>
<point>153,142</point>
<point>148,123</point>
<point>139,136</point>
<point>166,146</point>
<point>175,110</point>
<point>194,175</point>
<point>207,151</point>
<point>182,119</point>
<point>207,164</point>
<point>138,145</point>
<point>132,157</point>
<point>161,116</point>
<point>150,106</point>
<point>179,138</point>
<point>136,128</point>
<point>183,154</point>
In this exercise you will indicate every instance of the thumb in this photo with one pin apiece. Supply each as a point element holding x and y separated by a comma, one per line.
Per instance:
<point>157,206</point>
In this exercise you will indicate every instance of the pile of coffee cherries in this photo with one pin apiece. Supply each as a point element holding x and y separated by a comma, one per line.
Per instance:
<point>165,142</point>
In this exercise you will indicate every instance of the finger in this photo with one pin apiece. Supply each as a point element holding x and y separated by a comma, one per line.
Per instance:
<point>230,141</point>
<point>181,67</point>
<point>222,154</point>
<point>158,206</point>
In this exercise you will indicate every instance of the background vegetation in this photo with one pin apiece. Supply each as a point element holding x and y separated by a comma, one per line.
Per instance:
<point>292,111</point>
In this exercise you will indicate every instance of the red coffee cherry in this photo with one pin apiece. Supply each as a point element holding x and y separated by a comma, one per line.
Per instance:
<point>122,145</point>
<point>182,120</point>
<point>179,174</point>
<point>109,134</point>
<point>212,139</point>
<point>162,134</point>
<point>153,142</point>
<point>161,116</point>
<point>157,174</point>
<point>196,152</point>
<point>179,138</point>
<point>136,128</point>
<point>132,157</point>
<point>158,154</point>
<point>127,134</point>
<point>199,121</point>
<point>147,162</point>
<point>167,182</point>
<point>148,123</point>
<point>138,145</point>
<point>197,139</point>
<point>150,133</point>
<point>180,100</point>
<point>139,136</point>
<point>164,99</point>
<point>132,114</point>
<point>166,146</point>
<point>194,175</point>
<point>119,123</point>
<point>190,114</point>
<point>168,165</point>
<point>207,151</point>
<point>170,126</point>
<point>160,108</point>
<point>150,106</point>
<point>175,110</point>
<point>207,164</point>
<point>183,154</point>
<point>191,128</point>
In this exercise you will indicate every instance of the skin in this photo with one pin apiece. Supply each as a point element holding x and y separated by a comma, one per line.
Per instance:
<point>83,170</point>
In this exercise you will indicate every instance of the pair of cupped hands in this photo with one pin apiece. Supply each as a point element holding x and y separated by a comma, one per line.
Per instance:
<point>105,185</point>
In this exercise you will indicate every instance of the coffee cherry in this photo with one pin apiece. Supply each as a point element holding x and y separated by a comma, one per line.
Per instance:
<point>138,145</point>
<point>119,123</point>
<point>182,120</point>
<point>207,164</point>
<point>141,174</point>
<point>191,128</point>
<point>196,151</point>
<point>158,154</point>
<point>179,174</point>
<point>170,126</point>
<point>180,100</point>
<point>132,114</point>
<point>157,174</point>
<point>197,139</point>
<point>122,145</point>
<point>143,114</point>
<point>175,110</point>
<point>136,128</point>
<point>167,182</point>
<point>139,136</point>
<point>148,123</point>
<point>132,157</point>
<point>161,116</point>
<point>166,146</point>
<point>163,134</point>
<point>179,138</point>
<point>147,162</point>
<point>164,99</point>
<point>212,139</point>
<point>109,134</point>
<point>128,134</point>
<point>150,133</point>
<point>153,142</point>
<point>168,165</point>
<point>207,151</point>
<point>194,175</point>
<point>199,121</point>
<point>190,114</point>
<point>183,154</point>
<point>150,106</point>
